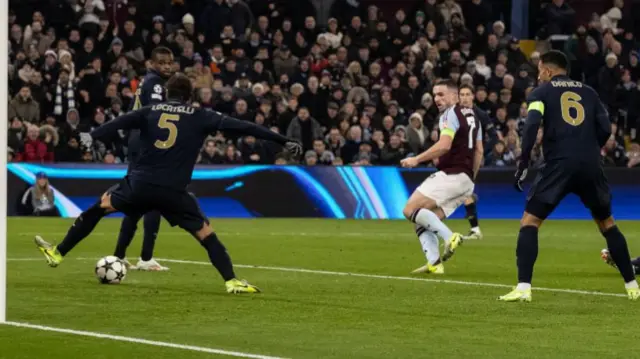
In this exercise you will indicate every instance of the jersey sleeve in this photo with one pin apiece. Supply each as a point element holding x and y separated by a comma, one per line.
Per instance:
<point>129,121</point>
<point>218,122</point>
<point>449,124</point>
<point>532,124</point>
<point>212,120</point>
<point>156,92</point>
<point>603,123</point>
<point>535,101</point>
<point>479,135</point>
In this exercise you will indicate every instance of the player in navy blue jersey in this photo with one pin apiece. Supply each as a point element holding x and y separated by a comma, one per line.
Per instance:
<point>171,136</point>
<point>150,91</point>
<point>576,126</point>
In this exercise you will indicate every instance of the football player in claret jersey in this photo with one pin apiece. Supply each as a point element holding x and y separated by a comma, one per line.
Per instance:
<point>150,91</point>
<point>459,151</point>
<point>467,94</point>
<point>171,136</point>
<point>576,126</point>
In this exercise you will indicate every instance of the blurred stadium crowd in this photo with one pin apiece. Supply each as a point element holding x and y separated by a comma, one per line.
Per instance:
<point>352,83</point>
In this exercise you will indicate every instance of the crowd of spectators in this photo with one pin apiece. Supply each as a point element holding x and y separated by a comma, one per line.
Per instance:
<point>353,91</point>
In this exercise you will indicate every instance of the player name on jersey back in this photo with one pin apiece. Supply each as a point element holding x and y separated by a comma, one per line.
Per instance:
<point>173,109</point>
<point>565,83</point>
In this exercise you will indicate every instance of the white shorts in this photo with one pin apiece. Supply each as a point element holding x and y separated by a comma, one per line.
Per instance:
<point>448,190</point>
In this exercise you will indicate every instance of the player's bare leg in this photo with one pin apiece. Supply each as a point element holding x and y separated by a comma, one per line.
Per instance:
<point>80,229</point>
<point>424,212</point>
<point>221,260</point>
<point>472,216</point>
<point>526,255</point>
<point>619,254</point>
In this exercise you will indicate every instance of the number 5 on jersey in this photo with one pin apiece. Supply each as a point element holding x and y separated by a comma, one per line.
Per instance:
<point>167,122</point>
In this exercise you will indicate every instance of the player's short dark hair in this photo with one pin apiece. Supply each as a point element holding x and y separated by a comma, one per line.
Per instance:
<point>160,50</point>
<point>179,87</point>
<point>556,58</point>
<point>468,87</point>
<point>451,85</point>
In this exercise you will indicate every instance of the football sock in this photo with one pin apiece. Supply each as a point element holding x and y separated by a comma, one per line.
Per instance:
<point>619,251</point>
<point>472,215</point>
<point>429,243</point>
<point>81,228</point>
<point>526,253</point>
<point>219,256</point>
<point>151,225</point>
<point>127,232</point>
<point>430,221</point>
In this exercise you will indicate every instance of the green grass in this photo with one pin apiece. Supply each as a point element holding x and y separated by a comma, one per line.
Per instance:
<point>312,315</point>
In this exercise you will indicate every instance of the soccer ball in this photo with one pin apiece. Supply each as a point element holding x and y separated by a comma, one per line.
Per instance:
<point>110,270</point>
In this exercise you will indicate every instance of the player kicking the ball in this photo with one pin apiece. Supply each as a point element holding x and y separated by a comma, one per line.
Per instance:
<point>460,153</point>
<point>171,134</point>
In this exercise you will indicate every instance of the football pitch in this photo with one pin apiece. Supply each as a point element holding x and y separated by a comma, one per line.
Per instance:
<point>331,289</point>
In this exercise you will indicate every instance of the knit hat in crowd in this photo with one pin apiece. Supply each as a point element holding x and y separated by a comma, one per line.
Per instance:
<point>116,41</point>
<point>188,19</point>
<point>51,53</point>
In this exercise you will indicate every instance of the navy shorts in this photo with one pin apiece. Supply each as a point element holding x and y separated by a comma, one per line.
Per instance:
<point>178,207</point>
<point>555,180</point>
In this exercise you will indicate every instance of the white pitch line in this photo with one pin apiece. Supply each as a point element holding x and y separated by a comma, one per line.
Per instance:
<point>377,276</point>
<point>301,234</point>
<point>362,275</point>
<point>387,235</point>
<point>140,341</point>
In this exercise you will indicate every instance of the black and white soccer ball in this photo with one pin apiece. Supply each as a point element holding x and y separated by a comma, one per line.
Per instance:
<point>110,270</point>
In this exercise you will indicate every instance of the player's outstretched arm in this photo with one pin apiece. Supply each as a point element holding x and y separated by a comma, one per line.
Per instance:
<point>129,121</point>
<point>449,125</point>
<point>251,129</point>
<point>220,122</point>
<point>438,149</point>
